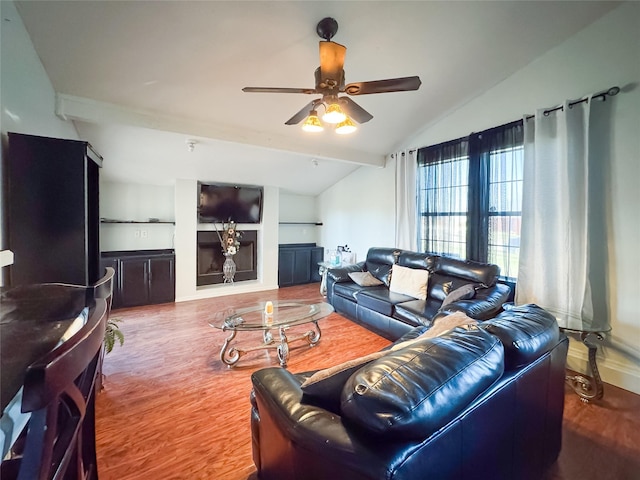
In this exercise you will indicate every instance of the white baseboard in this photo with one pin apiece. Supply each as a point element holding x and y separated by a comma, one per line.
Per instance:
<point>625,375</point>
<point>219,290</point>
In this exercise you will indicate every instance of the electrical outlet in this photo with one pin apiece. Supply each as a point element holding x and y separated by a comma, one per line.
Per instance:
<point>144,234</point>
<point>136,234</point>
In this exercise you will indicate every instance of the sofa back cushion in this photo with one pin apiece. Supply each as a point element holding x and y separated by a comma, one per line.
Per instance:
<point>412,392</point>
<point>476,272</point>
<point>527,332</point>
<point>449,274</point>
<point>379,262</point>
<point>416,260</point>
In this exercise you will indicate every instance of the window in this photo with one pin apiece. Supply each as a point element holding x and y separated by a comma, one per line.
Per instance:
<point>443,198</point>
<point>505,210</point>
<point>470,197</point>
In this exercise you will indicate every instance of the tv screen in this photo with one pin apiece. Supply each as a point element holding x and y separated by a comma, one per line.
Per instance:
<point>222,203</point>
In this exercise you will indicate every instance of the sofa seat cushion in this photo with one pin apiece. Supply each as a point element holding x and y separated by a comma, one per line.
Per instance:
<point>348,290</point>
<point>413,392</point>
<point>527,332</point>
<point>417,312</point>
<point>381,299</point>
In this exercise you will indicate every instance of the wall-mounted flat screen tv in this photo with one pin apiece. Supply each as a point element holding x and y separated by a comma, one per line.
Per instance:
<point>222,203</point>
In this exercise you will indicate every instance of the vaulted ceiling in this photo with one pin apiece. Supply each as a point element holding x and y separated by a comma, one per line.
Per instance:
<point>140,78</point>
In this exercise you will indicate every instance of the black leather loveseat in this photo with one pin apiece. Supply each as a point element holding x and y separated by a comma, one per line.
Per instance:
<point>393,314</point>
<point>485,402</point>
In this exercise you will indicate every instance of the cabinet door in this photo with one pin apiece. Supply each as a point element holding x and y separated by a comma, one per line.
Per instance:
<point>286,259</point>
<point>162,280</point>
<point>134,281</point>
<point>302,266</point>
<point>50,187</point>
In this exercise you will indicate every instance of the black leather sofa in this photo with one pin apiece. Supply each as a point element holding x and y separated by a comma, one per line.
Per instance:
<point>479,403</point>
<point>391,314</point>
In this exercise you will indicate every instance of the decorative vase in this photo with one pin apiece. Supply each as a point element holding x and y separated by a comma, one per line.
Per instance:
<point>228,268</point>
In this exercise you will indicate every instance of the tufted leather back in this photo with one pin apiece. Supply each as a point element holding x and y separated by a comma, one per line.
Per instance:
<point>379,262</point>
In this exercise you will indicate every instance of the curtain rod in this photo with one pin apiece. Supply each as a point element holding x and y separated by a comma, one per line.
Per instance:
<point>612,92</point>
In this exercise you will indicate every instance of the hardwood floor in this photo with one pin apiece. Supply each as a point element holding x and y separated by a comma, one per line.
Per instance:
<point>171,410</point>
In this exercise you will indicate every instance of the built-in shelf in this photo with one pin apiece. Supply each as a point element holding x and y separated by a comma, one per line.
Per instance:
<point>319,224</point>
<point>136,221</point>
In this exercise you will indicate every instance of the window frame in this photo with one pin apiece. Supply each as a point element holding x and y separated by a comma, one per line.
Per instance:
<point>481,149</point>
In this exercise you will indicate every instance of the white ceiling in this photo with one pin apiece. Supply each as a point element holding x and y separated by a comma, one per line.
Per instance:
<point>141,77</point>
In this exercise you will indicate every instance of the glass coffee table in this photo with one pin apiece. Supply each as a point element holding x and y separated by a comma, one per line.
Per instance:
<point>285,314</point>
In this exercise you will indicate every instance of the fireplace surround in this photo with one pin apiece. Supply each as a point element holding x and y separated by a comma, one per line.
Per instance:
<point>210,258</point>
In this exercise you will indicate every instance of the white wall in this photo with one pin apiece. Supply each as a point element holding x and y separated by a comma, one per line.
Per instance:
<point>186,197</point>
<point>27,98</point>
<point>604,54</point>
<point>135,202</point>
<point>298,209</point>
<point>359,211</point>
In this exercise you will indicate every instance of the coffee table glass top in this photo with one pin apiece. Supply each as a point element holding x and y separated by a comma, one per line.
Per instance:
<point>285,313</point>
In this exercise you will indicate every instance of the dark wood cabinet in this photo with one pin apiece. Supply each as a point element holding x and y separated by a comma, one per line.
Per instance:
<point>162,285</point>
<point>53,217</point>
<point>298,263</point>
<point>134,281</point>
<point>142,278</point>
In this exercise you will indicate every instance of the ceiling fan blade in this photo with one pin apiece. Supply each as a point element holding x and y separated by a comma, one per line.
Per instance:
<point>302,114</point>
<point>383,86</point>
<point>355,111</point>
<point>332,63</point>
<point>278,90</point>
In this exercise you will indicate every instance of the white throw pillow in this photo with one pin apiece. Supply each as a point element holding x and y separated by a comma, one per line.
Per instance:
<point>409,281</point>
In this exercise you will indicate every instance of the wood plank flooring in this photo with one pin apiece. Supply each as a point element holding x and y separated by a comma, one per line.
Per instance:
<point>171,410</point>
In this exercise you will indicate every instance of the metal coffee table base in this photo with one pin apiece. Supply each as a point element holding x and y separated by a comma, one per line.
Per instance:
<point>231,355</point>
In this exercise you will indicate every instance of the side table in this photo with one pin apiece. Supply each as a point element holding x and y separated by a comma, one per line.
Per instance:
<point>322,270</point>
<point>588,387</point>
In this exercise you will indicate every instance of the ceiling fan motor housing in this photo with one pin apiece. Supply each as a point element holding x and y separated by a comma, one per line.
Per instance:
<point>330,86</point>
<point>327,28</point>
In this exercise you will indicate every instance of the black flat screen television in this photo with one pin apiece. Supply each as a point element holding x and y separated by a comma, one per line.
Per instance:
<point>222,203</point>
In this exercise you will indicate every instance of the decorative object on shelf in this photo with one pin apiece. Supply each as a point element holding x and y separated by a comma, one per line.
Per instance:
<point>228,268</point>
<point>340,256</point>
<point>230,242</point>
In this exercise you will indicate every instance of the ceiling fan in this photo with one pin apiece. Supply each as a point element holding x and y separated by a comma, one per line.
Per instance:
<point>330,83</point>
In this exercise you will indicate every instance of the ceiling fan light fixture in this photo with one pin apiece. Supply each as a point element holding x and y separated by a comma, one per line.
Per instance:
<point>312,123</point>
<point>334,114</point>
<point>346,127</point>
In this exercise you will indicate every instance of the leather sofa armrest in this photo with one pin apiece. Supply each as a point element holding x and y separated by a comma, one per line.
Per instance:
<point>292,428</point>
<point>339,275</point>
<point>487,302</point>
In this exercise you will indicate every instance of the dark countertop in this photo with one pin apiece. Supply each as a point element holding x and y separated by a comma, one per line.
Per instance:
<point>297,245</point>
<point>136,253</point>
<point>33,319</point>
